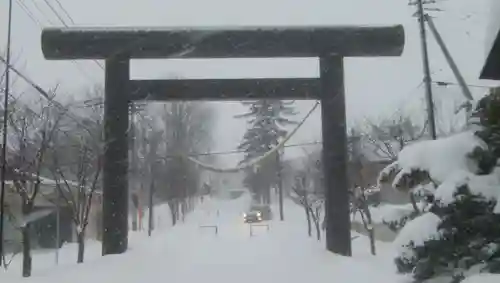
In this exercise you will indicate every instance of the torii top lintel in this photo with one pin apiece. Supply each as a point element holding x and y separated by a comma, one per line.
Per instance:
<point>222,42</point>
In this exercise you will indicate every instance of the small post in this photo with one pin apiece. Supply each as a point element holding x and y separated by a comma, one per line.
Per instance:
<point>338,225</point>
<point>115,167</point>
<point>150,208</point>
<point>58,226</point>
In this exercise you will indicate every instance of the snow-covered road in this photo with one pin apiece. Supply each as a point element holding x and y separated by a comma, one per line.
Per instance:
<point>188,253</point>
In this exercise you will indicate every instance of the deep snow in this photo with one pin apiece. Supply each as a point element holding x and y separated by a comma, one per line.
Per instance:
<point>188,253</point>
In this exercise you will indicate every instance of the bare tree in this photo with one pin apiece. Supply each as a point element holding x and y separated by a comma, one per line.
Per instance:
<point>33,133</point>
<point>360,204</point>
<point>310,200</point>
<point>187,131</point>
<point>76,167</point>
<point>390,135</point>
<point>149,138</point>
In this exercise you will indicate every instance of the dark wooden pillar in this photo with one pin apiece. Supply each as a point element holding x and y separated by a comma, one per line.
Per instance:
<point>338,226</point>
<point>115,167</point>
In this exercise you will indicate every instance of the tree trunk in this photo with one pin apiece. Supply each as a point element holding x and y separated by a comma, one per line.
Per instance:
<point>308,217</point>
<point>316,223</point>
<point>369,228</point>
<point>27,261</point>
<point>81,245</point>
<point>27,208</point>
<point>183,209</point>
<point>134,212</point>
<point>173,211</point>
<point>267,196</point>
<point>134,220</point>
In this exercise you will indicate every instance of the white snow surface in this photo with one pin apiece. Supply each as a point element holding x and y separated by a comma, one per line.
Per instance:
<point>189,253</point>
<point>419,230</point>
<point>483,278</point>
<point>484,185</point>
<point>441,157</point>
<point>390,212</point>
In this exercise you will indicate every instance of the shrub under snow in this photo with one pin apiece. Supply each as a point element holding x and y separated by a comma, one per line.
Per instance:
<point>456,231</point>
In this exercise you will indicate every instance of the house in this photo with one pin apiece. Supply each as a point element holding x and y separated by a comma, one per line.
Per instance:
<point>49,206</point>
<point>363,170</point>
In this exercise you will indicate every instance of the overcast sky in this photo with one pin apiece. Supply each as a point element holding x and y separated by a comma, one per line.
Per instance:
<point>375,87</point>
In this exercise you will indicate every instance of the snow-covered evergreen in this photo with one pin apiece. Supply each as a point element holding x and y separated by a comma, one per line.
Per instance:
<point>455,230</point>
<point>266,124</point>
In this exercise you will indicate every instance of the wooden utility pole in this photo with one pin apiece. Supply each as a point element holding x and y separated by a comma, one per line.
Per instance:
<point>4,134</point>
<point>427,72</point>
<point>453,66</point>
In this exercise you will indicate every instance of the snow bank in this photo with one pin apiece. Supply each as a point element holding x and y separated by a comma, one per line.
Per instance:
<point>387,213</point>
<point>183,254</point>
<point>442,157</point>
<point>483,278</point>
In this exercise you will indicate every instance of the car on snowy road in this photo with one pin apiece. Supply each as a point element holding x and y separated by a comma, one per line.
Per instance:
<point>252,217</point>
<point>258,213</point>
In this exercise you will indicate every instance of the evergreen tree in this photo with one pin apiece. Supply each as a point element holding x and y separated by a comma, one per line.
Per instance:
<point>458,231</point>
<point>266,124</point>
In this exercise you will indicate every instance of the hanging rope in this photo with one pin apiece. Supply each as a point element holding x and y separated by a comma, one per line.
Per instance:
<point>257,160</point>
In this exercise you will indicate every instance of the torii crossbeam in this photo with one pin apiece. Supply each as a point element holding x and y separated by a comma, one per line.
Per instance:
<point>118,45</point>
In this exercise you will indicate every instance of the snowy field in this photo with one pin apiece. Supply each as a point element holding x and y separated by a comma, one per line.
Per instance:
<point>188,253</point>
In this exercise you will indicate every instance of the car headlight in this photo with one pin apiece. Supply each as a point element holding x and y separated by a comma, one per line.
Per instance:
<point>244,215</point>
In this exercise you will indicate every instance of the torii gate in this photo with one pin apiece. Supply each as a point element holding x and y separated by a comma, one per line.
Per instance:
<point>118,45</point>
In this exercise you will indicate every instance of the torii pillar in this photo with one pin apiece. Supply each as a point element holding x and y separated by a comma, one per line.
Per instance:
<point>118,45</point>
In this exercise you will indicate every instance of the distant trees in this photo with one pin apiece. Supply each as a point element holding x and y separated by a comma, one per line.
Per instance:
<point>266,120</point>
<point>187,128</point>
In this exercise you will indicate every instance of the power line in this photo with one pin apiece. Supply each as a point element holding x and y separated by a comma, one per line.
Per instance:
<point>65,12</point>
<point>28,12</point>
<point>55,12</point>
<point>41,12</point>
<point>45,94</point>
<point>237,151</point>
<point>32,16</point>
<point>61,19</point>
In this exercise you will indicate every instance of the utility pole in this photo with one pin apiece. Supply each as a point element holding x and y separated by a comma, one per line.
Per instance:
<point>454,68</point>
<point>4,134</point>
<point>426,68</point>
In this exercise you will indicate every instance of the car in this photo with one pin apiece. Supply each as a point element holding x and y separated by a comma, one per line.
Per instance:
<point>252,217</point>
<point>264,209</point>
